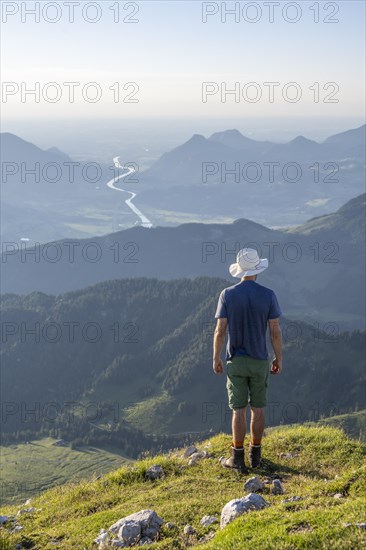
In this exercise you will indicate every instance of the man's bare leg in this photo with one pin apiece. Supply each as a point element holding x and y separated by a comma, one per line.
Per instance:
<point>239,427</point>
<point>256,425</point>
<point>256,433</point>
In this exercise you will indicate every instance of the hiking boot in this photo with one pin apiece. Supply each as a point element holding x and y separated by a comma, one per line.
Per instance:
<point>236,461</point>
<point>254,456</point>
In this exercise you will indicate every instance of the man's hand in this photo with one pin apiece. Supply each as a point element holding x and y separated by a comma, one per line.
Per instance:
<point>276,366</point>
<point>276,340</point>
<point>219,337</point>
<point>218,366</point>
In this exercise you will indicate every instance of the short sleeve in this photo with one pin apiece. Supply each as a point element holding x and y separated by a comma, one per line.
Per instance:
<point>221,311</point>
<point>274,309</point>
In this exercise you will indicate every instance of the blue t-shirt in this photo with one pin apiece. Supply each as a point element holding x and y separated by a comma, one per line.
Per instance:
<point>247,307</point>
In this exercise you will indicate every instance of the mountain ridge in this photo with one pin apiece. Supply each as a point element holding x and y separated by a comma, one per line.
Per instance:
<point>193,250</point>
<point>172,357</point>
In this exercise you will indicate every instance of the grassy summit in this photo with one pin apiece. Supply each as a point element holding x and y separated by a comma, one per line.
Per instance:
<point>314,462</point>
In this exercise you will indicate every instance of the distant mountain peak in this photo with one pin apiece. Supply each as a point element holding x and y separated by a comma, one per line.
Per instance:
<point>230,133</point>
<point>233,132</point>
<point>197,138</point>
<point>233,138</point>
<point>302,140</point>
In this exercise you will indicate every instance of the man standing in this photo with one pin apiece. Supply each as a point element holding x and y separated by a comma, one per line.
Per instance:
<point>245,309</point>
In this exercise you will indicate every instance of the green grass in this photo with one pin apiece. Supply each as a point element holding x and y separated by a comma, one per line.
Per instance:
<point>28,469</point>
<point>327,462</point>
<point>354,424</point>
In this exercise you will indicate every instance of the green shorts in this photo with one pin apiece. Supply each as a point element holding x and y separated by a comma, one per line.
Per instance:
<point>247,380</point>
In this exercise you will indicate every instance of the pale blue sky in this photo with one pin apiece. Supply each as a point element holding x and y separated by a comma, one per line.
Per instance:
<point>170,52</point>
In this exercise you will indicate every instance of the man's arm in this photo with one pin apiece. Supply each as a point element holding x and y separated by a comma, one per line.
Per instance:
<point>276,340</point>
<point>219,339</point>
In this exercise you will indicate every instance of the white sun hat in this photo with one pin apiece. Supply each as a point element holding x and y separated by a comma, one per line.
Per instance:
<point>248,263</point>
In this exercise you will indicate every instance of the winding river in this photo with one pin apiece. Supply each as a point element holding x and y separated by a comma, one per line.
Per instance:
<point>145,222</point>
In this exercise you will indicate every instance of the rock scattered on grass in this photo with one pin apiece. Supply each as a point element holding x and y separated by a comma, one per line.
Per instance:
<point>4,519</point>
<point>10,524</point>
<point>170,525</point>
<point>155,472</point>
<point>26,511</point>
<point>338,495</point>
<point>236,507</point>
<point>292,499</point>
<point>253,484</point>
<point>196,457</point>
<point>16,529</point>
<point>361,525</point>
<point>301,528</point>
<point>277,488</point>
<point>131,530</point>
<point>103,538</point>
<point>206,521</point>
<point>287,456</point>
<point>189,451</point>
<point>189,530</point>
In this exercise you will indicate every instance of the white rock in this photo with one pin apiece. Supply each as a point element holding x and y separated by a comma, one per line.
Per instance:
<point>338,495</point>
<point>206,521</point>
<point>253,484</point>
<point>26,511</point>
<point>189,530</point>
<point>3,519</point>
<point>130,532</point>
<point>146,522</point>
<point>239,506</point>
<point>170,525</point>
<point>155,472</point>
<point>277,488</point>
<point>190,450</point>
<point>289,455</point>
<point>195,457</point>
<point>102,539</point>
<point>292,499</point>
<point>361,525</point>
